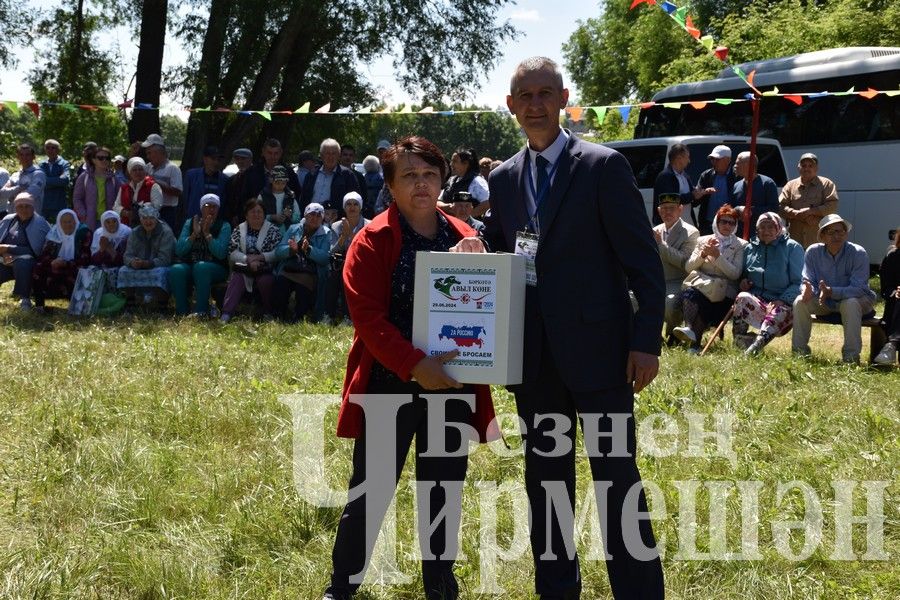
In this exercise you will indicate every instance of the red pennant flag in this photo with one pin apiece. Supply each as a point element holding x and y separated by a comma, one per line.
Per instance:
<point>222,109</point>
<point>647,104</point>
<point>639,2</point>
<point>798,100</point>
<point>87,107</point>
<point>751,76</point>
<point>127,104</point>
<point>721,53</point>
<point>35,108</point>
<point>698,105</point>
<point>689,25</point>
<point>869,93</point>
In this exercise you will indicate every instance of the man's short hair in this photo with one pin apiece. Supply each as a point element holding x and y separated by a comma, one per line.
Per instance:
<point>535,63</point>
<point>25,146</point>
<point>329,143</point>
<point>271,143</point>
<point>677,150</point>
<point>348,147</point>
<point>745,155</point>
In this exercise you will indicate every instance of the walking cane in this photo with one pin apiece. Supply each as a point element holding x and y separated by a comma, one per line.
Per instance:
<point>712,339</point>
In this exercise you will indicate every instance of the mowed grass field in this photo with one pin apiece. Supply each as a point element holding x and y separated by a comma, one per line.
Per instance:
<point>153,458</point>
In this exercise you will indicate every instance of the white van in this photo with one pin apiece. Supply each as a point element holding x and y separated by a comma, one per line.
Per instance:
<point>649,156</point>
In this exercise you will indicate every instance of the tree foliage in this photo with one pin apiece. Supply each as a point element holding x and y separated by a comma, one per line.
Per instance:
<point>13,31</point>
<point>630,54</point>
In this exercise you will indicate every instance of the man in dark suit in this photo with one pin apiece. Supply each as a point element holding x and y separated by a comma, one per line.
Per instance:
<point>259,175</point>
<point>673,179</point>
<point>585,352</point>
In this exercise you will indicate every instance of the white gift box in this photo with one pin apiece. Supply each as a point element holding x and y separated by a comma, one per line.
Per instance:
<point>474,303</point>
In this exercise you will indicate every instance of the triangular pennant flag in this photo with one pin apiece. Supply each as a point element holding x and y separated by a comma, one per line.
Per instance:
<point>625,112</point>
<point>668,7</point>
<point>144,106</point>
<point>12,106</point>
<point>798,100</point>
<point>869,93</point>
<point>127,104</point>
<point>364,111</point>
<point>739,73</point>
<point>647,104</point>
<point>773,92</point>
<point>67,106</point>
<point>680,15</point>
<point>820,95</point>
<point>342,111</point>
<point>671,104</point>
<point>324,109</point>
<point>600,112</point>
<point>721,53</point>
<point>750,76</point>
<point>427,110</point>
<point>222,109</point>
<point>90,107</point>
<point>689,25</point>
<point>699,105</point>
<point>447,113</point>
<point>406,109</point>
<point>386,110</point>
<point>707,42</point>
<point>724,101</point>
<point>35,108</point>
<point>892,93</point>
<point>265,114</point>
<point>575,113</point>
<point>638,2</point>
<point>303,109</point>
<point>847,93</point>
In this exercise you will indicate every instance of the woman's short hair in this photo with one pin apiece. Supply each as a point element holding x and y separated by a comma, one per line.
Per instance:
<point>371,163</point>
<point>727,211</point>
<point>417,145</point>
<point>467,155</point>
<point>251,204</point>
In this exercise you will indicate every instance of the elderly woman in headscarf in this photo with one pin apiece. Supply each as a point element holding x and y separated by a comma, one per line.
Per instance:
<point>713,270</point>
<point>344,232</point>
<point>773,266</point>
<point>148,255</point>
<point>251,254</point>
<point>305,255</point>
<point>22,236</point>
<point>66,249</point>
<point>110,240</point>
<point>140,189</point>
<point>202,249</point>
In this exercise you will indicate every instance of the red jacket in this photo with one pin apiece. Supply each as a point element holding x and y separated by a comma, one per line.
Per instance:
<point>143,197</point>
<point>369,265</point>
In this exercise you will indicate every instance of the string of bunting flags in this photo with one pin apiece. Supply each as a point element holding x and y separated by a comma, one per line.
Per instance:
<point>575,113</point>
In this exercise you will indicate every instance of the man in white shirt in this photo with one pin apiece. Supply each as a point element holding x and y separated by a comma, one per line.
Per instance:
<point>168,176</point>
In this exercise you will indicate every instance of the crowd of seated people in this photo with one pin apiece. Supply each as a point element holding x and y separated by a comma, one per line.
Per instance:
<point>275,234</point>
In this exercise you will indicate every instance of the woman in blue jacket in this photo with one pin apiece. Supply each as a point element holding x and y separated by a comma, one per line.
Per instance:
<point>305,255</point>
<point>773,264</point>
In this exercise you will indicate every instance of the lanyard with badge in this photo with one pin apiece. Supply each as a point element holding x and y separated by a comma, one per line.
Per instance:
<point>527,239</point>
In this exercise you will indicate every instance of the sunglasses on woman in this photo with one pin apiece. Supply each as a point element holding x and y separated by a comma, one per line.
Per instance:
<point>727,222</point>
<point>98,157</point>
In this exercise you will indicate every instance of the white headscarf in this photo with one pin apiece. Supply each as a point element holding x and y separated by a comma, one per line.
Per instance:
<point>66,242</point>
<point>725,241</point>
<point>122,232</point>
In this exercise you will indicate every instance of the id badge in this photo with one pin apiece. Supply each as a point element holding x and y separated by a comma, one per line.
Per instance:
<point>527,246</point>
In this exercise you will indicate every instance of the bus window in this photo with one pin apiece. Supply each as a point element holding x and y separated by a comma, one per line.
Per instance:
<point>646,162</point>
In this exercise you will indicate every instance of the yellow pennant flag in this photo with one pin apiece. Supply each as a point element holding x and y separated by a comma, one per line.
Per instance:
<point>302,109</point>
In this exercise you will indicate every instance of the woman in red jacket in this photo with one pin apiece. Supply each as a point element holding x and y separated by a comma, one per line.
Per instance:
<point>379,277</point>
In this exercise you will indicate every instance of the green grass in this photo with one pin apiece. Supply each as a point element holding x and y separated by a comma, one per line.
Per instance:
<point>153,459</point>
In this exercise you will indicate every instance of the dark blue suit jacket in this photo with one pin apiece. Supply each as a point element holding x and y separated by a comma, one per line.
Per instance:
<point>595,244</point>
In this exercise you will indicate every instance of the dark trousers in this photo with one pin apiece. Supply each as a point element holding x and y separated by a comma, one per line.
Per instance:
<point>304,298</point>
<point>335,300</point>
<point>557,573</point>
<point>21,271</point>
<point>169,214</point>
<point>352,550</point>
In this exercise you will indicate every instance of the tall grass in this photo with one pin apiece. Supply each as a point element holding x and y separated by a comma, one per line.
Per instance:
<point>152,459</point>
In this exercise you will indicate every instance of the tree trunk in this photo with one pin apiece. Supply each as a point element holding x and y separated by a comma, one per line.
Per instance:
<point>149,69</point>
<point>199,132</point>
<point>262,91</point>
<point>70,83</point>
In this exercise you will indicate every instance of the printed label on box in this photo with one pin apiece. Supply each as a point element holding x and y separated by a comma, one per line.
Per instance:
<point>462,314</point>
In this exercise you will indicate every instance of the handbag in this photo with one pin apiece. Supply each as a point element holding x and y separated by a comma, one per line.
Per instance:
<point>87,292</point>
<point>711,286</point>
<point>299,263</point>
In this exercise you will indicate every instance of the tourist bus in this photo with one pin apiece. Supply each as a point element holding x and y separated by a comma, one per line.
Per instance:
<point>856,139</point>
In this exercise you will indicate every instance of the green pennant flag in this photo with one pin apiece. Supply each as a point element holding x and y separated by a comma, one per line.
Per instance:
<point>675,105</point>
<point>724,101</point>
<point>892,93</point>
<point>600,111</point>
<point>707,42</point>
<point>739,73</point>
<point>302,109</point>
<point>265,114</point>
<point>12,106</point>
<point>849,92</point>
<point>70,107</point>
<point>680,15</point>
<point>773,92</point>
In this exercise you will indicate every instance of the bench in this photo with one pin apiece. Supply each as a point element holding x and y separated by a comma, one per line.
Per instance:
<point>877,335</point>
